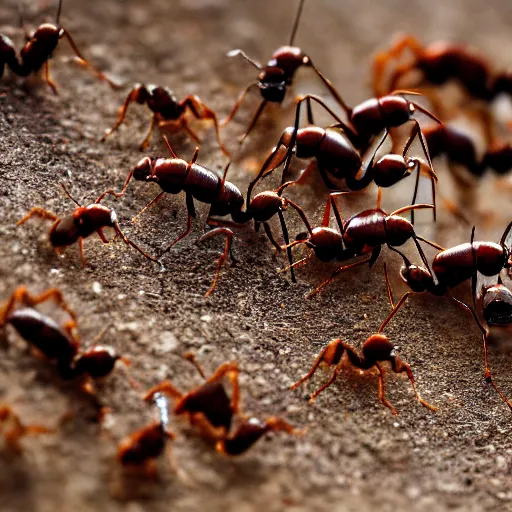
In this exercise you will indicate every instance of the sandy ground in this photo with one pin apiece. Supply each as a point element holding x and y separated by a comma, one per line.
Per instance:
<point>356,454</point>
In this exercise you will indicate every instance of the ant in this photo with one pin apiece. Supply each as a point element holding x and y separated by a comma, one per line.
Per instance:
<point>376,349</point>
<point>167,110</point>
<point>139,449</point>
<point>209,408</point>
<point>38,50</point>
<point>452,267</point>
<point>17,429</point>
<point>57,343</point>
<point>276,76</point>
<point>439,63</point>
<point>82,223</point>
<point>362,235</point>
<point>338,159</point>
<point>174,175</point>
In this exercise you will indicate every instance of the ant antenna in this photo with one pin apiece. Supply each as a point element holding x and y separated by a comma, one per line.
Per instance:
<point>59,10</point>
<point>174,155</point>
<point>296,24</point>
<point>66,191</point>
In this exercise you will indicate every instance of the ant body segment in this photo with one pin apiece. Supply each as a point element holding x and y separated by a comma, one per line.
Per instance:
<point>209,408</point>
<point>57,343</point>
<point>140,449</point>
<point>376,349</point>
<point>275,78</point>
<point>82,223</point>
<point>452,267</point>
<point>38,50</point>
<point>363,234</point>
<point>174,175</point>
<point>167,111</point>
<point>15,429</point>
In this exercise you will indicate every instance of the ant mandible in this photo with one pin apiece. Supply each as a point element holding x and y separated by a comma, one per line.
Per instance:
<point>82,223</point>
<point>376,349</point>
<point>140,449</point>
<point>15,429</point>
<point>452,267</point>
<point>362,235</point>
<point>38,50</point>
<point>209,408</point>
<point>174,175</point>
<point>276,76</point>
<point>167,111</point>
<point>57,343</point>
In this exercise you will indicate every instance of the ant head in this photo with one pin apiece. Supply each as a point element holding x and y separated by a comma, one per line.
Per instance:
<point>497,305</point>
<point>398,230</point>
<point>378,348</point>
<point>302,237</point>
<point>265,205</point>
<point>97,362</point>
<point>142,170</point>
<point>272,82</point>
<point>417,278</point>
<point>390,169</point>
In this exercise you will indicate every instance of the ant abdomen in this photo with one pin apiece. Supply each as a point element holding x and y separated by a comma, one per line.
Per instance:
<point>229,201</point>
<point>201,183</point>
<point>337,155</point>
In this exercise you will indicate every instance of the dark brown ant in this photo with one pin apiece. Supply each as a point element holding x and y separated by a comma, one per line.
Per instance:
<point>167,111</point>
<point>338,159</point>
<point>57,343</point>
<point>39,49</point>
<point>376,349</point>
<point>140,449</point>
<point>363,235</point>
<point>275,78</point>
<point>452,267</point>
<point>210,409</point>
<point>82,223</point>
<point>15,429</point>
<point>459,148</point>
<point>440,62</point>
<point>174,175</point>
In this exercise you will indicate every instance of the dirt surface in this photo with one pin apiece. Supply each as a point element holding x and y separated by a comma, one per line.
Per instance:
<point>356,455</point>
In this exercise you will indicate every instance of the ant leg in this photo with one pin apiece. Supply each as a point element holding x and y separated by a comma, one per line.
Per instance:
<point>23,296</point>
<point>166,387</point>
<point>102,236</point>
<point>48,79</point>
<point>133,95</point>
<point>191,358</point>
<point>231,371</point>
<point>254,120</point>
<point>395,310</point>
<point>382,390</point>
<point>202,111</point>
<point>485,333</point>
<point>286,237</point>
<point>335,273</point>
<point>80,60</point>
<point>227,249</point>
<point>18,430</point>
<point>398,366</point>
<point>332,378</point>
<point>330,355</point>
<point>191,213</point>
<point>238,103</point>
<point>186,128</point>
<point>149,205</point>
<point>388,286</point>
<point>113,192</point>
<point>37,211</point>
<point>145,143</point>
<point>429,242</point>
<point>127,241</point>
<point>82,253</point>
<point>270,236</point>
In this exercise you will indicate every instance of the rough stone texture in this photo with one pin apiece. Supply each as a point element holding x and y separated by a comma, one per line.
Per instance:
<point>356,454</point>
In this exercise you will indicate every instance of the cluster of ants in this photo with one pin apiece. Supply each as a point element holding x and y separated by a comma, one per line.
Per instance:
<point>347,156</point>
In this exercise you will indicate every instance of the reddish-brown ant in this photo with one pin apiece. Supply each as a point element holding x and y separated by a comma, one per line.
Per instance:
<point>12,428</point>
<point>57,343</point>
<point>276,76</point>
<point>82,223</point>
<point>338,159</point>
<point>376,349</point>
<point>439,63</point>
<point>167,111</point>
<point>140,449</point>
<point>38,50</point>
<point>174,175</point>
<point>210,409</point>
<point>452,267</point>
<point>363,234</point>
